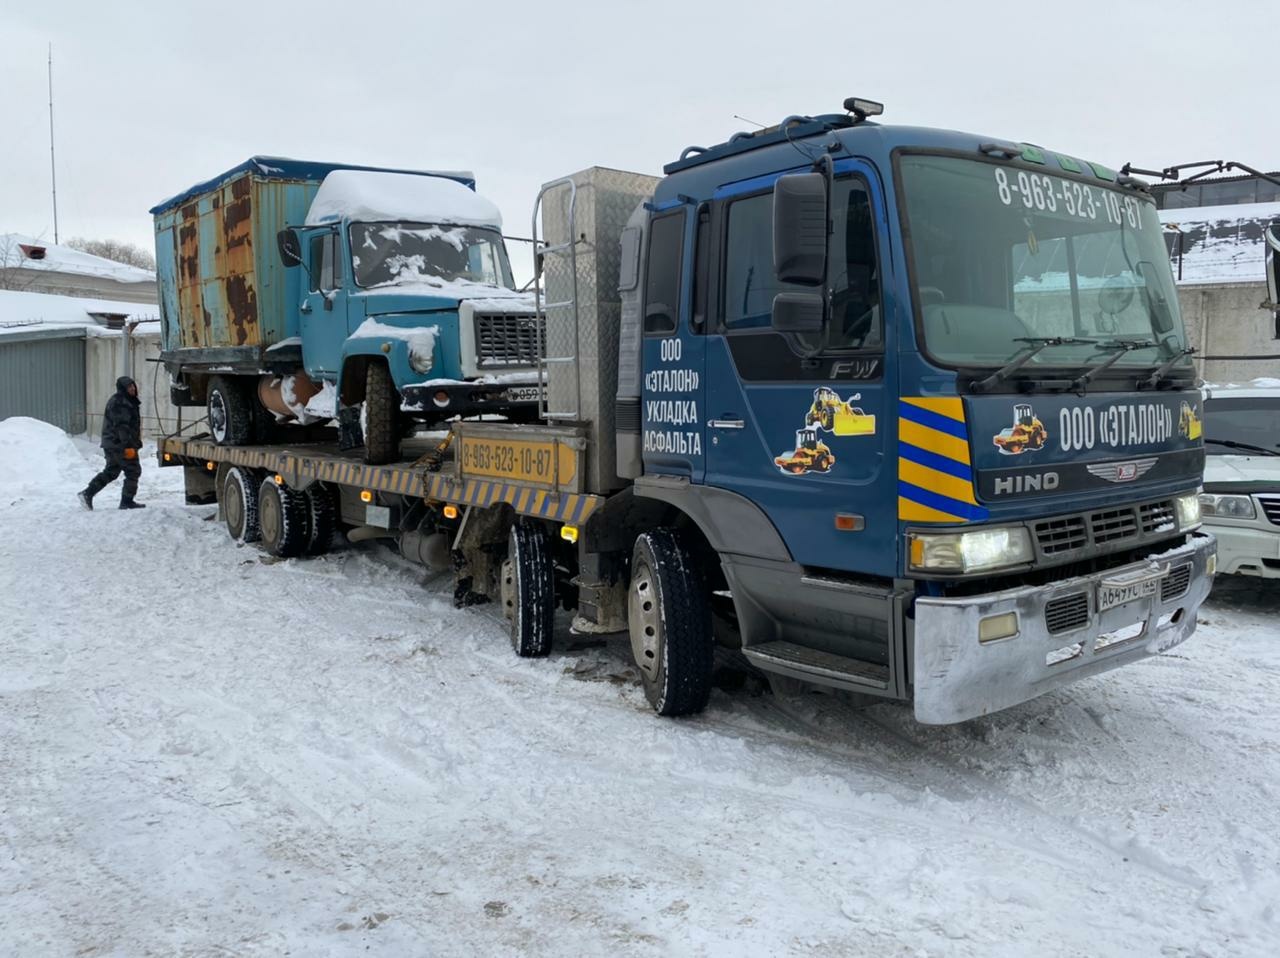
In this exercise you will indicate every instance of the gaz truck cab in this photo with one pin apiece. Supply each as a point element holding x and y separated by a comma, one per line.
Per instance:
<point>298,292</point>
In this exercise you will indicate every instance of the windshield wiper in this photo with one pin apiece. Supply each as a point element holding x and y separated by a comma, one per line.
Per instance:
<point>1035,345</point>
<point>1232,444</point>
<point>1122,347</point>
<point>1153,381</point>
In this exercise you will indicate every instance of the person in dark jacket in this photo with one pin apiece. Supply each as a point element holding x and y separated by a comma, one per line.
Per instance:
<point>121,440</point>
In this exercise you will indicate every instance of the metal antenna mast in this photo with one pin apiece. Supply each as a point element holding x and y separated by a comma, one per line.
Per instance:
<point>53,169</point>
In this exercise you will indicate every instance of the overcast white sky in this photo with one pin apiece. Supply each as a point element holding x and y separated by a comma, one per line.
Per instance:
<point>150,101</point>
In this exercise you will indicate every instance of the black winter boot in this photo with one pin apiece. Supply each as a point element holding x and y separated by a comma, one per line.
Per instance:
<point>86,499</point>
<point>130,504</point>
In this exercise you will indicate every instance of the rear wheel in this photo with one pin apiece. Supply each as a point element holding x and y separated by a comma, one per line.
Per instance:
<point>283,516</point>
<point>324,518</point>
<point>382,427</point>
<point>240,505</point>
<point>529,590</point>
<point>670,624</point>
<point>230,410</point>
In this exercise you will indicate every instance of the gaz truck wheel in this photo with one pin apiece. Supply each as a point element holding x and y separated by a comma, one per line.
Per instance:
<point>529,590</point>
<point>240,505</point>
<point>323,515</point>
<point>283,516</point>
<point>670,624</point>
<point>382,416</point>
<point>230,409</point>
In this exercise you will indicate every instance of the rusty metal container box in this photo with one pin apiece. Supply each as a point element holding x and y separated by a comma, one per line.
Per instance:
<point>224,295</point>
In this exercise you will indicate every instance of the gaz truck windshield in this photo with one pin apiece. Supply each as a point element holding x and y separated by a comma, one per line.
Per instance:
<point>1004,254</point>
<point>388,254</point>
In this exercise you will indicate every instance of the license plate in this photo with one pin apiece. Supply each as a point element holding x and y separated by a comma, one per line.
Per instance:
<point>523,394</point>
<point>1121,589</point>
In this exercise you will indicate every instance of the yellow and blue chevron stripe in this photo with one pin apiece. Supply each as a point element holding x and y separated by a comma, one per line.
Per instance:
<point>935,474</point>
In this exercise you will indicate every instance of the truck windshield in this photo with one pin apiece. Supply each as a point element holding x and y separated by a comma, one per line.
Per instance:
<point>389,254</point>
<point>1002,254</point>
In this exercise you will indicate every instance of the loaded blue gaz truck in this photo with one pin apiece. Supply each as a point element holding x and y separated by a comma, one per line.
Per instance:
<point>293,291</point>
<point>892,410</point>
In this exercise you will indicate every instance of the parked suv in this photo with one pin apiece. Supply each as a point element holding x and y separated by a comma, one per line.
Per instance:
<point>1241,499</point>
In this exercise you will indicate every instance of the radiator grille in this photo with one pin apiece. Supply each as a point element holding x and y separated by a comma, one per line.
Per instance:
<point>1067,612</point>
<point>506,340</point>
<point>1061,535</point>
<point>1175,583</point>
<point>1271,506</point>
<point>1157,517</point>
<point>1112,525</point>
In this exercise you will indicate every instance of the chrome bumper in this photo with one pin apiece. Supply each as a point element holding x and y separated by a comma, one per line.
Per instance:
<point>956,677</point>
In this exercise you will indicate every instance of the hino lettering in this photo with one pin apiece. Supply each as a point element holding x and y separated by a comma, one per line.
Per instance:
<point>1016,485</point>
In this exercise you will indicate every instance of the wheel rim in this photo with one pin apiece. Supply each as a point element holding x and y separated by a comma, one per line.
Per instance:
<point>218,415</point>
<point>645,622</point>
<point>269,517</point>
<point>233,503</point>
<point>508,590</point>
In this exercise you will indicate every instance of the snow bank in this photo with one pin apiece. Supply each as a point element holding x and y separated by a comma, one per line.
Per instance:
<point>26,309</point>
<point>421,339</point>
<point>369,197</point>
<point>36,455</point>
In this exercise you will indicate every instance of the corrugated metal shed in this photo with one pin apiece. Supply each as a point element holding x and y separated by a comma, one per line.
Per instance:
<point>42,376</point>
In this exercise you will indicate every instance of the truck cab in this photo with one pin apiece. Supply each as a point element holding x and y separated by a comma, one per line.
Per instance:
<point>920,393</point>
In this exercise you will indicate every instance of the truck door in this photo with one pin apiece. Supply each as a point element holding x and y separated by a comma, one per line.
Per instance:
<point>672,388</point>
<point>803,425</point>
<point>323,308</point>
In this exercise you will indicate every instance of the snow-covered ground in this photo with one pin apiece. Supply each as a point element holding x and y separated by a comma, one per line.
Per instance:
<point>207,752</point>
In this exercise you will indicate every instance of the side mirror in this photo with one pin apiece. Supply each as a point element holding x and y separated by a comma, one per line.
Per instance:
<point>1272,237</point>
<point>289,247</point>
<point>800,228</point>
<point>798,312</point>
<point>1161,312</point>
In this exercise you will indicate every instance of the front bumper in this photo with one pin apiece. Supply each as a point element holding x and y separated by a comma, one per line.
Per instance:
<point>461,398</point>
<point>955,677</point>
<point>1246,550</point>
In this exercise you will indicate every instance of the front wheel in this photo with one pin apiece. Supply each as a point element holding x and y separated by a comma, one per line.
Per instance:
<point>230,411</point>
<point>382,427</point>
<point>529,590</point>
<point>670,624</point>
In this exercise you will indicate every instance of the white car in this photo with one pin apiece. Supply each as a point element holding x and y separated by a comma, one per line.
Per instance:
<point>1241,499</point>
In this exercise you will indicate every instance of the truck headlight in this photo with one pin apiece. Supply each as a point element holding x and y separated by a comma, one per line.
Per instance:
<point>421,361</point>
<point>1187,508</point>
<point>1230,507</point>
<point>972,551</point>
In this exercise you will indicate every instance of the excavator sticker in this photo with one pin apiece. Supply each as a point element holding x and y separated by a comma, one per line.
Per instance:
<point>811,455</point>
<point>1188,422</point>
<point>1027,434</point>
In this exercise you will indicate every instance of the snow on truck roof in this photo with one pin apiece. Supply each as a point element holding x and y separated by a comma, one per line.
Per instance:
<point>373,197</point>
<point>283,168</point>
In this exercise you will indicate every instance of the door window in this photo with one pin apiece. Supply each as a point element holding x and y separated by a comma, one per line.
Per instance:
<point>662,285</point>
<point>326,262</point>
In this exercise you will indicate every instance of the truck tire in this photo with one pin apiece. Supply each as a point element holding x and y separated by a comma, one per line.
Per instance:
<point>323,514</point>
<point>529,590</point>
<point>240,505</point>
<point>284,519</point>
<point>230,410</point>
<point>382,427</point>
<point>669,619</point>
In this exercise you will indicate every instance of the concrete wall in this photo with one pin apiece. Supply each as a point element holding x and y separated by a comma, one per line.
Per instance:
<point>105,362</point>
<point>1224,320</point>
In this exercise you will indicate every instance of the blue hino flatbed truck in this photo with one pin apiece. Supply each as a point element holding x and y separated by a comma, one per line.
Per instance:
<point>900,411</point>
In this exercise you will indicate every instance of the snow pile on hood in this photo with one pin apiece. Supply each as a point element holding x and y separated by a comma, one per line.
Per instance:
<point>421,339</point>
<point>369,197</point>
<point>35,455</point>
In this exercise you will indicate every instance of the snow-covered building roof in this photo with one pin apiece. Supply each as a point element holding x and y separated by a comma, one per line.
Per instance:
<point>26,252</point>
<point>1218,244</point>
<point>22,312</point>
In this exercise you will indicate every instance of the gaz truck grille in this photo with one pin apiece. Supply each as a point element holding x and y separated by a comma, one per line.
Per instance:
<point>506,340</point>
<point>1067,612</point>
<point>1271,506</point>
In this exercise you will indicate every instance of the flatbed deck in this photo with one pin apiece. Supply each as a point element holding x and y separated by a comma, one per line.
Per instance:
<point>301,464</point>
